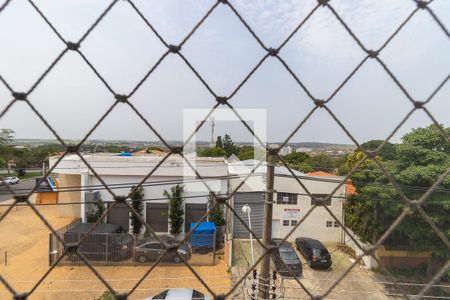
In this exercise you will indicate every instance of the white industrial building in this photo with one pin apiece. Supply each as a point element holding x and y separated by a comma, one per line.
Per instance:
<point>120,173</point>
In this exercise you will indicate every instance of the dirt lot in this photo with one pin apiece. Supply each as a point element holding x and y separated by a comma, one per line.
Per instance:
<point>25,239</point>
<point>358,284</point>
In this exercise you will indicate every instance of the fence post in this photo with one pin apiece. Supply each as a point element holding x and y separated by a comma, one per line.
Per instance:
<point>264,278</point>
<point>106,250</point>
<point>50,249</point>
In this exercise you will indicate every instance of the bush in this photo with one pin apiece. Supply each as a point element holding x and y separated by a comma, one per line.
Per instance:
<point>217,214</point>
<point>106,296</point>
<point>136,202</point>
<point>176,211</point>
<point>97,212</point>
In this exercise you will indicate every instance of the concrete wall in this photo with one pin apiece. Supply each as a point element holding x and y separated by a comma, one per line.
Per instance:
<point>70,210</point>
<point>194,192</point>
<point>402,258</point>
<point>369,261</point>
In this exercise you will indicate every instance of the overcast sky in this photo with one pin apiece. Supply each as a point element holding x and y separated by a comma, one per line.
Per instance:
<point>222,50</point>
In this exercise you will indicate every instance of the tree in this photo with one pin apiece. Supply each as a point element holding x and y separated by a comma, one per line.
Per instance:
<point>386,153</point>
<point>219,143</point>
<point>137,195</point>
<point>6,136</point>
<point>296,158</point>
<point>420,160</point>
<point>211,152</point>
<point>96,213</point>
<point>229,146</point>
<point>325,162</point>
<point>176,211</point>
<point>355,158</point>
<point>217,212</point>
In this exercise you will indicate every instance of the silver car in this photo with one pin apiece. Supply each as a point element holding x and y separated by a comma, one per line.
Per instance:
<point>11,180</point>
<point>180,294</point>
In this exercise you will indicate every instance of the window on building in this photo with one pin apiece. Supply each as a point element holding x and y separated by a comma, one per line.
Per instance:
<point>293,222</point>
<point>313,202</point>
<point>329,223</point>
<point>285,222</point>
<point>336,224</point>
<point>286,198</point>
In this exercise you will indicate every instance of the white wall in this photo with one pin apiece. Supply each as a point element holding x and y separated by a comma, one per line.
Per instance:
<point>314,225</point>
<point>156,191</point>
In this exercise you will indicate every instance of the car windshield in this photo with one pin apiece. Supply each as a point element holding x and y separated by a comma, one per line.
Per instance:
<point>320,252</point>
<point>8,178</point>
<point>196,295</point>
<point>161,295</point>
<point>288,255</point>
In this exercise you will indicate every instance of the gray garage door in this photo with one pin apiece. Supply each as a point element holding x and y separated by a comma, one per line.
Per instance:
<point>256,202</point>
<point>119,215</point>
<point>157,216</point>
<point>193,213</point>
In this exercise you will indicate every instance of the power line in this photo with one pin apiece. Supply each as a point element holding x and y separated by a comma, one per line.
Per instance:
<point>236,176</point>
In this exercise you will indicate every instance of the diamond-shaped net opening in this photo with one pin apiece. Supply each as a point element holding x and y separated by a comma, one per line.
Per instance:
<point>426,202</point>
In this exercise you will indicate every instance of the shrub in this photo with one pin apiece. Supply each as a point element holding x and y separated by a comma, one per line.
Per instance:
<point>176,211</point>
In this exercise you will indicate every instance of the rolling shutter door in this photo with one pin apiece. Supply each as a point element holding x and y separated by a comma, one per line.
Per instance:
<point>157,216</point>
<point>193,213</point>
<point>256,202</point>
<point>119,215</point>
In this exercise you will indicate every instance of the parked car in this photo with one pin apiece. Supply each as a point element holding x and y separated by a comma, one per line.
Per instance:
<point>11,180</point>
<point>178,294</point>
<point>315,253</point>
<point>286,254</point>
<point>106,243</point>
<point>151,249</point>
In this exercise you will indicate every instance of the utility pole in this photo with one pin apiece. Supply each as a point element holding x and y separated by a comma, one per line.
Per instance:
<point>264,279</point>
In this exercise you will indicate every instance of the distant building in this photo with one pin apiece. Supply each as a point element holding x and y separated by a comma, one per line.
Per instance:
<point>286,150</point>
<point>303,149</point>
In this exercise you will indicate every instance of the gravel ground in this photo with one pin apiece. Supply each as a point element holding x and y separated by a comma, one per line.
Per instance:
<point>25,238</point>
<point>358,284</point>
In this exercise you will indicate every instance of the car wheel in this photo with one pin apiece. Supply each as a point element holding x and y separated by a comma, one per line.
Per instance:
<point>142,259</point>
<point>177,259</point>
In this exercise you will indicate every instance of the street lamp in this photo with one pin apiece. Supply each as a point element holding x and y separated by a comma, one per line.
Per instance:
<point>246,209</point>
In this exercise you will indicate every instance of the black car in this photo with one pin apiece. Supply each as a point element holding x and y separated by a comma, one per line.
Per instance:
<point>286,254</point>
<point>315,252</point>
<point>106,242</point>
<point>151,249</point>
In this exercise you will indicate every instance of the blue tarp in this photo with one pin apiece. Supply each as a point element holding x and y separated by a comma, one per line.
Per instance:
<point>125,154</point>
<point>203,235</point>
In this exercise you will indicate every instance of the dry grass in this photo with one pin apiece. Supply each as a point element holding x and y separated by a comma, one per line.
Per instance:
<point>25,238</point>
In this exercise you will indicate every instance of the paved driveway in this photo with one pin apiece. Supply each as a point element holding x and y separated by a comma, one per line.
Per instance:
<point>21,188</point>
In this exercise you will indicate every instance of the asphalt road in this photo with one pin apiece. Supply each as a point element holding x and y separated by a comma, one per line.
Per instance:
<point>21,188</point>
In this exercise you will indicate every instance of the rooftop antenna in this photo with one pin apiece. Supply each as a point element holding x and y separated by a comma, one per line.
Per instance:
<point>213,125</point>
